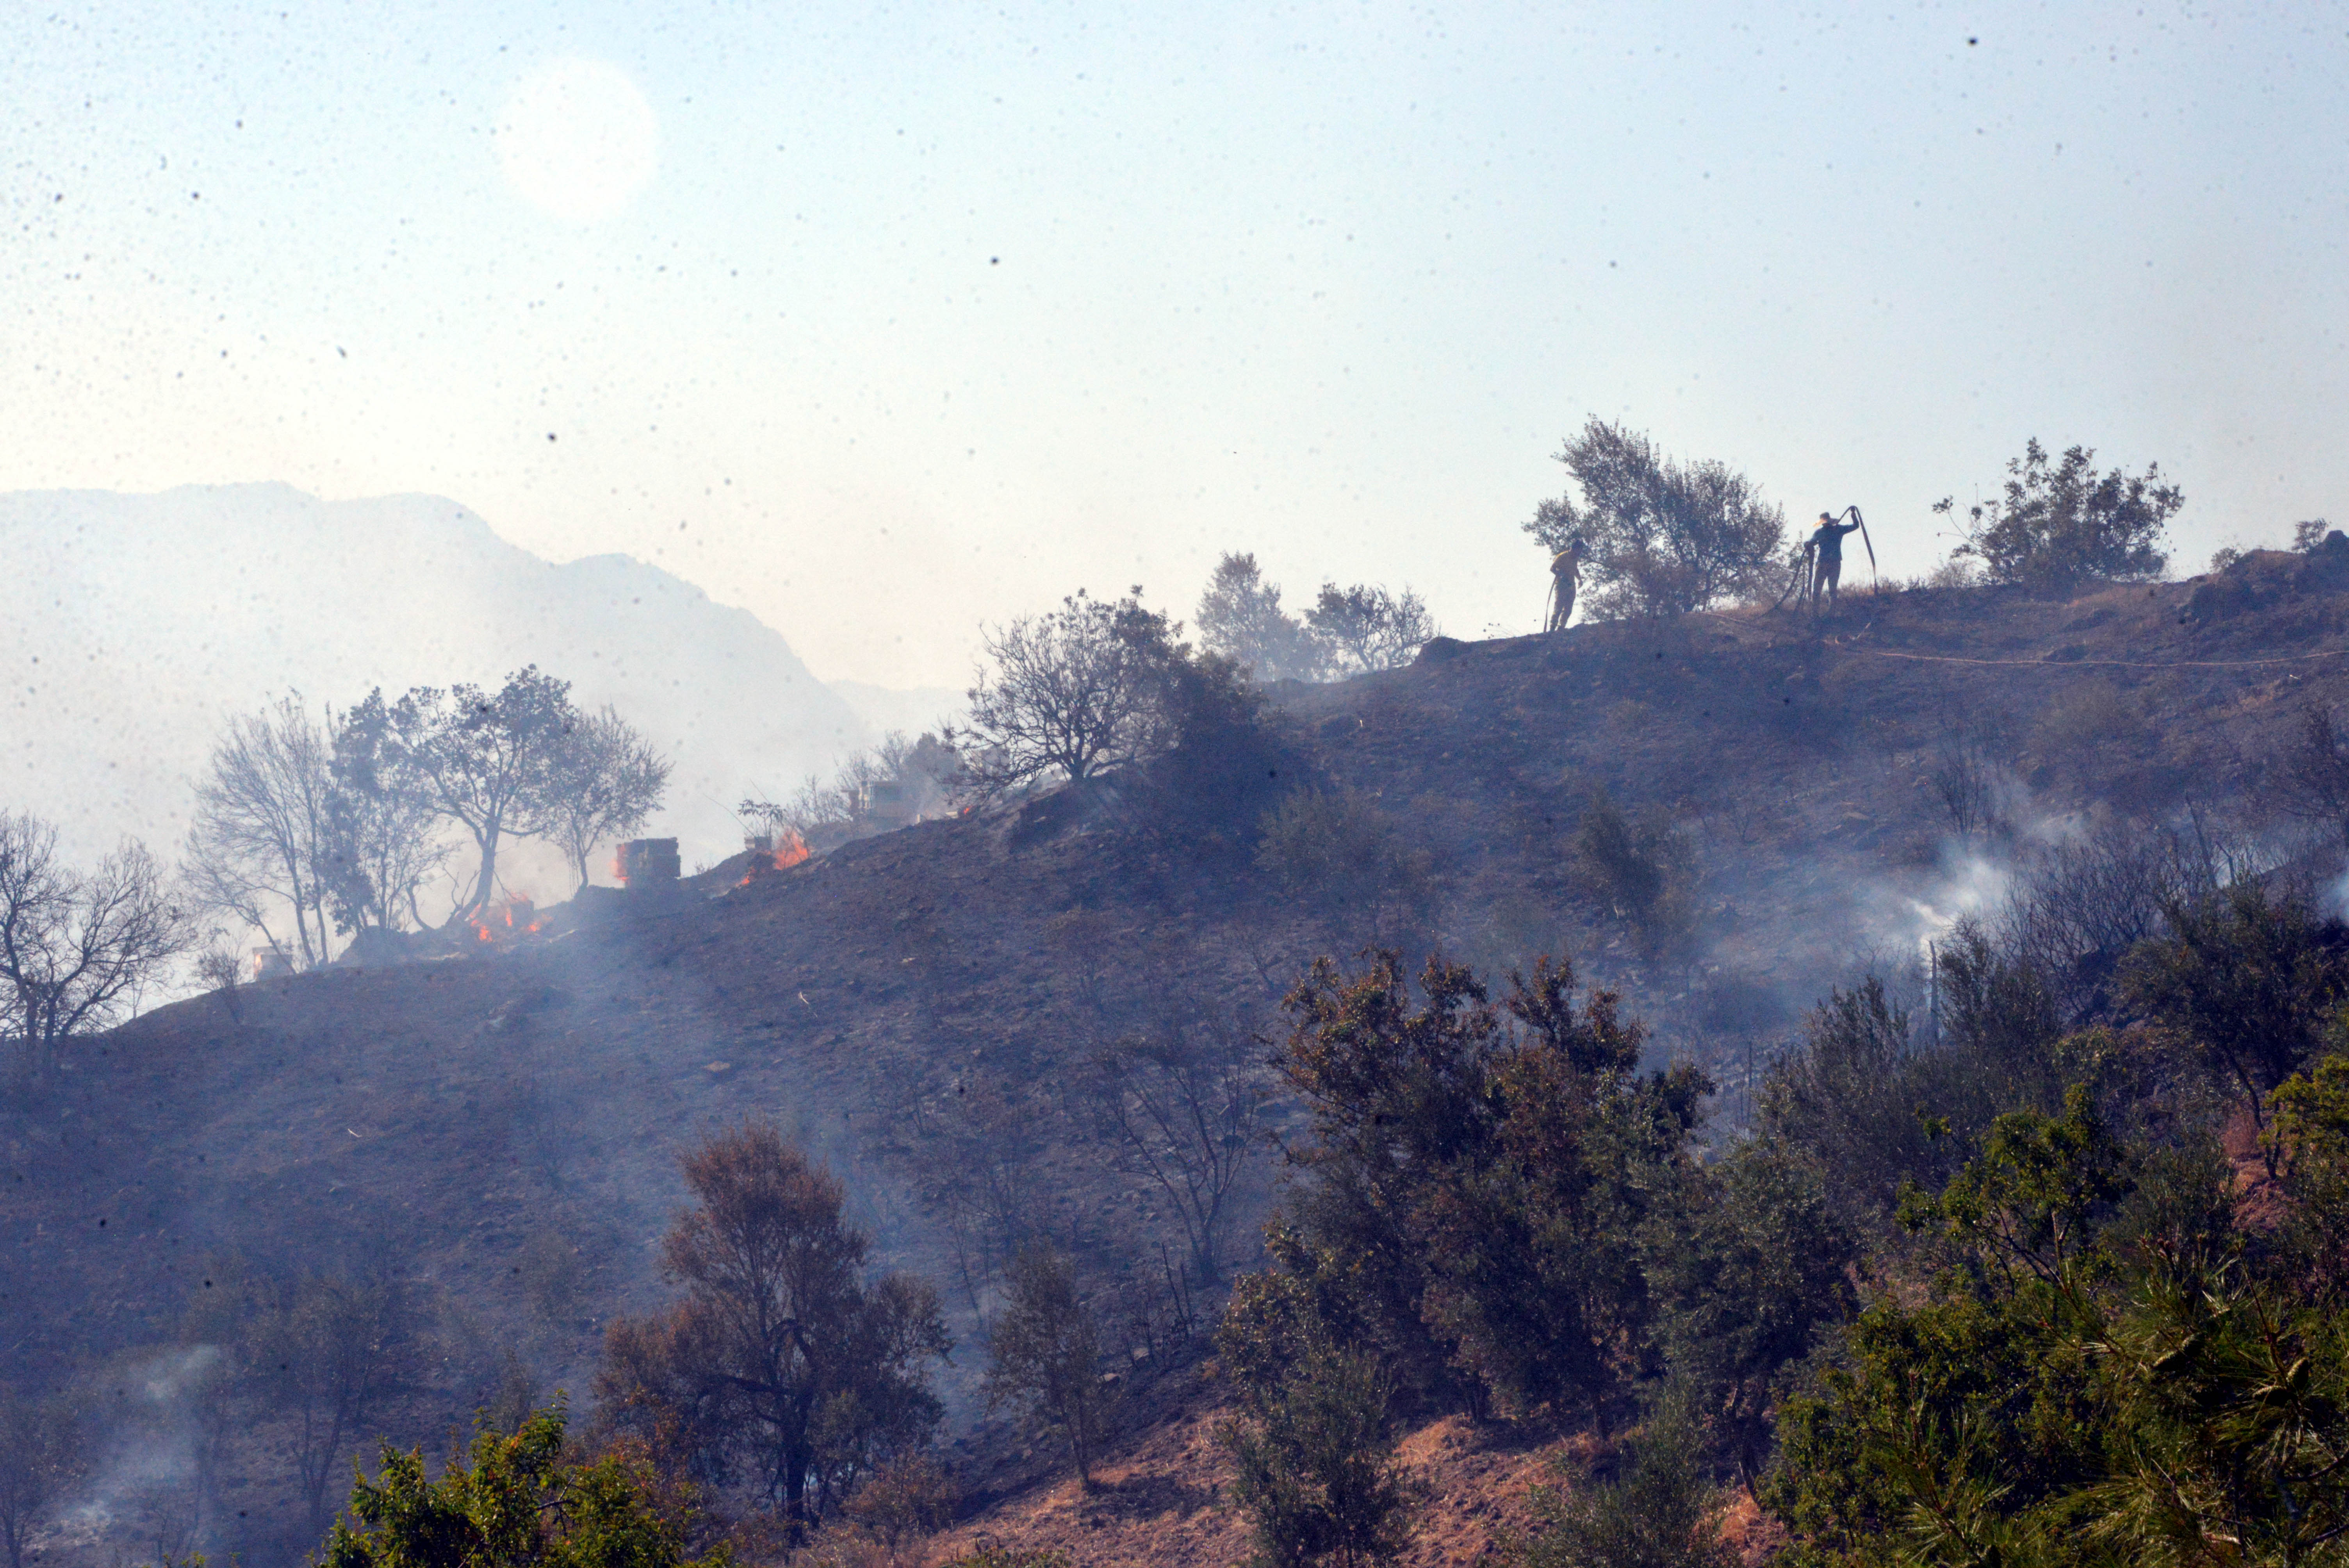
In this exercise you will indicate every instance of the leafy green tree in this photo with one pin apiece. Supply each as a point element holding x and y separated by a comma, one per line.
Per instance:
<point>2308,1140</point>
<point>992,1555</point>
<point>517,1500</point>
<point>1044,1352</point>
<point>1750,1269</point>
<point>783,1361</point>
<point>2106,1368</point>
<point>1480,1173</point>
<point>1842,1097</point>
<point>1874,1101</point>
<point>1963,1424</point>
<point>2060,522</point>
<point>2233,1400</point>
<point>2244,980</point>
<point>1662,537</point>
<point>1317,1471</point>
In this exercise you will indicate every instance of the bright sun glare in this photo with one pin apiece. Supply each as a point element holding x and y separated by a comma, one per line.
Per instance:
<point>577,140</point>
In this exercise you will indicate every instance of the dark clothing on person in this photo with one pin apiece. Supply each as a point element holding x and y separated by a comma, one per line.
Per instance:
<point>1828,539</point>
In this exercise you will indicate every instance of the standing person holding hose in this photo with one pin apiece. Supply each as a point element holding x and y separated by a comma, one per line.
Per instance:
<point>1827,554</point>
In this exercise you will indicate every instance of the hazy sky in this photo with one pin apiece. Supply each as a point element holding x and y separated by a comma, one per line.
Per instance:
<point>881,319</point>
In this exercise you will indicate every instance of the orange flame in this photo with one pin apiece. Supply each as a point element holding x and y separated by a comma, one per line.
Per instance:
<point>512,917</point>
<point>789,851</point>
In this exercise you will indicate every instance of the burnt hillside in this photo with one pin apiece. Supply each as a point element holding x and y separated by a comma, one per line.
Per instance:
<point>498,1129</point>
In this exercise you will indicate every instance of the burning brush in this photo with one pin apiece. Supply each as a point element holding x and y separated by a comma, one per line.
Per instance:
<point>516,916</point>
<point>782,851</point>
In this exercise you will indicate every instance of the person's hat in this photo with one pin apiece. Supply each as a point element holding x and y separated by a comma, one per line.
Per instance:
<point>1827,517</point>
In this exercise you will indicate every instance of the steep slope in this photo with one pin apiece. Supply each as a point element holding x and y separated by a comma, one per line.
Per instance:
<point>921,1008</point>
<point>138,622</point>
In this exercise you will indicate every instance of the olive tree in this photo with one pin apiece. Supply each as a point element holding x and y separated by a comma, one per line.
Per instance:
<point>1317,1473</point>
<point>1661,536</point>
<point>386,839</point>
<point>2059,523</point>
<point>491,760</point>
<point>1240,617</point>
<point>1363,627</point>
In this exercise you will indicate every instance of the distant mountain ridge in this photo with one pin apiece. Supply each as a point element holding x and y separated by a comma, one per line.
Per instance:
<point>133,625</point>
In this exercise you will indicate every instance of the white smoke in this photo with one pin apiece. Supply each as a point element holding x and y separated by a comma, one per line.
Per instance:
<point>147,1497</point>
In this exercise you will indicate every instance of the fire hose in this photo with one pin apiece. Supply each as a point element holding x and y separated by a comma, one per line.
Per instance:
<point>1800,577</point>
<point>1805,575</point>
<point>1853,512</point>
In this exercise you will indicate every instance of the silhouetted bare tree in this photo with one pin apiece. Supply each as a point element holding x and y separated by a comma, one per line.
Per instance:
<point>1073,693</point>
<point>1183,1107</point>
<point>74,948</point>
<point>325,1353</point>
<point>1964,776</point>
<point>977,1165</point>
<point>264,816</point>
<point>2314,775</point>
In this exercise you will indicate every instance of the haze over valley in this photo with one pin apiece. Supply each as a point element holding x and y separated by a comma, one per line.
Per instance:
<point>139,624</point>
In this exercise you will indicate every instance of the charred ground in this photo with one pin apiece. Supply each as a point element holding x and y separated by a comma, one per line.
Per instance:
<point>499,1132</point>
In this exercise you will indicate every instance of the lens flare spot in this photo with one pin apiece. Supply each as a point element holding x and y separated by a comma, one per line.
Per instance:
<point>577,140</point>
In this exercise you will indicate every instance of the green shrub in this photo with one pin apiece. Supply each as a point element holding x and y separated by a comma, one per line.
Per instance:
<point>2060,522</point>
<point>516,1501</point>
<point>1658,1512</point>
<point>1317,1466</point>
